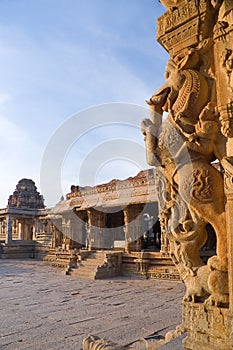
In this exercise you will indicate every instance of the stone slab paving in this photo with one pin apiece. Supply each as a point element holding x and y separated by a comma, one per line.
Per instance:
<point>42,309</point>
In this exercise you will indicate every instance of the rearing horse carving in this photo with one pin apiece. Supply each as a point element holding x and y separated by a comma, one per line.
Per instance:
<point>182,149</point>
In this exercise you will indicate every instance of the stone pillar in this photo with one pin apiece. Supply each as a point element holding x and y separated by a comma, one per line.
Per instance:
<point>3,227</point>
<point>82,227</point>
<point>66,233</point>
<point>19,230</point>
<point>9,230</point>
<point>78,234</point>
<point>133,227</point>
<point>96,225</point>
<point>57,238</point>
<point>27,231</point>
<point>22,234</point>
<point>223,51</point>
<point>164,245</point>
<point>34,231</point>
<point>14,229</point>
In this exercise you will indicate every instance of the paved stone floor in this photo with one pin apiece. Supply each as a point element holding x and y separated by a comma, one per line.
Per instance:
<point>42,309</point>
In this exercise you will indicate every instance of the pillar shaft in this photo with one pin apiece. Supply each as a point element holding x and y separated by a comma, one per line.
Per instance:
<point>223,37</point>
<point>96,225</point>
<point>9,230</point>
<point>133,226</point>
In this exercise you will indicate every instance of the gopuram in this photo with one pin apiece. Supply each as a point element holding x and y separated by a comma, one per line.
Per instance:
<point>198,97</point>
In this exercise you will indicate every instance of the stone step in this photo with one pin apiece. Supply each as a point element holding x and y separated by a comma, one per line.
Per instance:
<point>88,267</point>
<point>91,263</point>
<point>94,266</point>
<point>58,258</point>
<point>82,273</point>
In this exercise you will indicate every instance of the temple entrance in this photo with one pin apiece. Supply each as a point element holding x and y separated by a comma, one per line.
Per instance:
<point>115,221</point>
<point>151,238</point>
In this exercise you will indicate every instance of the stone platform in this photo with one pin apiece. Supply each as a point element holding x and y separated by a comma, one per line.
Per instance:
<point>42,309</point>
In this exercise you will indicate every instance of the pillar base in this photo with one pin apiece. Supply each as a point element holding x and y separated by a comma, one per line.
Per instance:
<point>208,327</point>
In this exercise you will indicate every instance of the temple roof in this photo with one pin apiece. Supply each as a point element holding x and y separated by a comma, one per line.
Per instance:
<point>116,193</point>
<point>26,196</point>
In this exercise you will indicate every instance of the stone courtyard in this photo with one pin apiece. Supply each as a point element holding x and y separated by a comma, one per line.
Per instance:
<point>42,309</point>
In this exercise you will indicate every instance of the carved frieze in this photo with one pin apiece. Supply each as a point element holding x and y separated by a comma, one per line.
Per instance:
<point>185,25</point>
<point>208,327</point>
<point>180,15</point>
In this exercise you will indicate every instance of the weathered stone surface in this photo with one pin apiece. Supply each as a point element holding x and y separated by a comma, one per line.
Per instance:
<point>40,309</point>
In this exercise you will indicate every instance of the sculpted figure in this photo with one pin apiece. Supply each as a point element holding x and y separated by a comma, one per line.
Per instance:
<point>182,149</point>
<point>93,342</point>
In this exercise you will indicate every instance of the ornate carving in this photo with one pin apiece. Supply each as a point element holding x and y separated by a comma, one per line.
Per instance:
<point>228,176</point>
<point>194,195</point>
<point>227,64</point>
<point>201,320</point>
<point>200,185</point>
<point>186,24</point>
<point>95,343</point>
<point>26,196</point>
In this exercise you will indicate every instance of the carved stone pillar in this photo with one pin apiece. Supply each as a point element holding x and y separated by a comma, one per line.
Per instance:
<point>34,230</point>
<point>164,245</point>
<point>57,238</point>
<point>27,231</point>
<point>95,230</point>
<point>198,96</point>
<point>15,229</point>
<point>19,230</point>
<point>4,226</point>
<point>228,167</point>
<point>79,227</point>
<point>1,227</point>
<point>223,50</point>
<point>66,233</point>
<point>133,227</point>
<point>9,230</point>
<point>223,53</point>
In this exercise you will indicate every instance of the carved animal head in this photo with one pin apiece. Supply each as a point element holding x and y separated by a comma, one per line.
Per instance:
<point>184,93</point>
<point>167,94</point>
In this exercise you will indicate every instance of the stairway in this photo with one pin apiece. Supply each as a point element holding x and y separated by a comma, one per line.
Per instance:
<point>42,245</point>
<point>59,257</point>
<point>99,264</point>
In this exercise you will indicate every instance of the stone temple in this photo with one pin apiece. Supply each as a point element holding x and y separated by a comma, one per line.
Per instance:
<point>172,222</point>
<point>114,226</point>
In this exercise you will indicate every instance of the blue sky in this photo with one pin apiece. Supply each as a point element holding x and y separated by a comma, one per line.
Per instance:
<point>61,57</point>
